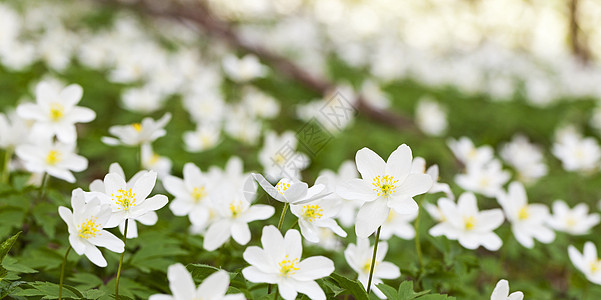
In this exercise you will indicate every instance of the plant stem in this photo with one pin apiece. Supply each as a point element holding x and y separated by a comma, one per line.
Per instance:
<point>373,260</point>
<point>60,286</point>
<point>294,224</point>
<point>140,164</point>
<point>275,294</point>
<point>8,153</point>
<point>42,189</point>
<point>418,245</point>
<point>283,215</point>
<point>121,260</point>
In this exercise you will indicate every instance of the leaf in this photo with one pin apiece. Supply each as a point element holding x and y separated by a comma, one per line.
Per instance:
<point>49,290</point>
<point>354,287</point>
<point>86,281</point>
<point>4,248</point>
<point>199,271</point>
<point>8,287</point>
<point>388,291</point>
<point>406,291</point>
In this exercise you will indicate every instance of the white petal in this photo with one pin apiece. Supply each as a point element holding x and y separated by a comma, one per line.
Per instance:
<point>180,282</point>
<point>399,163</point>
<point>214,286</point>
<point>371,216</point>
<point>356,189</point>
<point>217,234</point>
<point>314,267</point>
<point>107,240</point>
<point>369,164</point>
<point>94,255</point>
<point>240,233</point>
<point>253,274</point>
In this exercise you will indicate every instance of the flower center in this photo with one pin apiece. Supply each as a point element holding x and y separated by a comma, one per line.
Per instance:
<point>137,126</point>
<point>282,186</point>
<point>279,159</point>
<point>523,214</point>
<point>571,221</point>
<point>312,212</point>
<point>288,266</point>
<point>89,228</point>
<point>595,266</point>
<point>469,222</point>
<point>367,266</point>
<point>125,199</point>
<point>385,185</point>
<point>198,193</point>
<point>236,208</point>
<point>53,157</point>
<point>57,111</point>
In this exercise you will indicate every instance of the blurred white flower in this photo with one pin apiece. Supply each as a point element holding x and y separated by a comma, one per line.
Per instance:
<point>465,151</point>
<point>243,69</point>
<point>384,185</point>
<point>470,227</point>
<point>398,225</point>
<point>259,104</point>
<point>348,208</point>
<point>86,224</point>
<point>152,161</point>
<point>138,133</point>
<point>181,284</point>
<point>279,262</point>
<point>14,131</point>
<point>205,137</point>
<point>577,153</point>
<point>55,158</point>
<point>431,117</point>
<point>143,100</point>
<point>501,292</point>
<point>279,157</point>
<point>587,262</point>
<point>419,167</point>
<point>359,257</point>
<point>487,179</point>
<point>527,220</point>
<point>55,111</point>
<point>526,158</point>
<point>374,96</point>
<point>576,221</point>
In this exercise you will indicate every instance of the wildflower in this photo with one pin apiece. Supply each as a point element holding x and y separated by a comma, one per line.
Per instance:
<point>419,167</point>
<point>243,69</point>
<point>152,161</point>
<point>465,151</point>
<point>525,158</point>
<point>279,262</point>
<point>317,214</point>
<point>384,185</point>
<point>205,137</point>
<point>55,112</point>
<point>182,286</point>
<point>291,191</point>
<point>487,179</point>
<point>138,133</point>
<point>86,225</point>
<point>347,208</point>
<point>501,292</point>
<point>359,258</point>
<point>527,220</point>
<point>576,221</point>
<point>398,225</point>
<point>577,153</point>
<point>55,158</point>
<point>279,157</point>
<point>464,223</point>
<point>431,117</point>
<point>587,262</point>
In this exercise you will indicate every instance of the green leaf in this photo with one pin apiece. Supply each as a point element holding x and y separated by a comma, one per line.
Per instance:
<point>49,290</point>
<point>8,287</point>
<point>200,272</point>
<point>86,281</point>
<point>406,291</point>
<point>388,291</point>
<point>353,287</point>
<point>4,248</point>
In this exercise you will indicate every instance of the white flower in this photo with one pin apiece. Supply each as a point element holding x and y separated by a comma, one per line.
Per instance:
<point>14,131</point>
<point>384,185</point>
<point>279,262</point>
<point>259,104</point>
<point>155,162</point>
<point>359,258</point>
<point>348,208</point>
<point>55,112</point>
<point>431,117</point>
<point>577,153</point>
<point>465,151</point>
<point>315,215</point>
<point>464,223</point>
<point>86,224</point>
<point>576,221</point>
<point>501,292</point>
<point>182,286</point>
<point>244,69</point>
<point>291,191</point>
<point>525,158</point>
<point>398,225</point>
<point>279,157</point>
<point>487,179</point>
<point>143,100</point>
<point>205,137</point>
<point>129,200</point>
<point>527,220</point>
<point>374,96</point>
<point>192,195</point>
<point>138,133</point>
<point>419,167</point>
<point>234,211</point>
<point>328,240</point>
<point>56,159</point>
<point>588,262</point>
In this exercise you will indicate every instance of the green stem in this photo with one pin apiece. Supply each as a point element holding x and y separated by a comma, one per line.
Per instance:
<point>295,222</point>
<point>121,260</point>
<point>275,294</point>
<point>8,153</point>
<point>283,215</point>
<point>60,286</point>
<point>418,245</point>
<point>373,260</point>
<point>42,189</point>
<point>140,158</point>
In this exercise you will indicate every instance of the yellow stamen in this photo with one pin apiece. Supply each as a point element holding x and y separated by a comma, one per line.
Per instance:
<point>198,193</point>
<point>57,111</point>
<point>236,208</point>
<point>126,199</point>
<point>288,267</point>
<point>279,159</point>
<point>89,228</point>
<point>595,266</point>
<point>367,266</point>
<point>523,214</point>
<point>469,222</point>
<point>137,126</point>
<point>282,186</point>
<point>53,157</point>
<point>312,212</point>
<point>385,185</point>
<point>571,221</point>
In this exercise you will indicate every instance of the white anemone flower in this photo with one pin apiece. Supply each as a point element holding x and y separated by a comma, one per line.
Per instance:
<point>235,211</point>
<point>419,167</point>
<point>243,69</point>
<point>501,292</point>
<point>465,151</point>
<point>398,225</point>
<point>384,186</point>
<point>587,262</point>
<point>577,153</point>
<point>315,215</point>
<point>291,191</point>
<point>182,286</point>
<point>527,220</point>
<point>138,133</point>
<point>576,221</point>
<point>152,161</point>
<point>470,227</point>
<point>14,131</point>
<point>55,112</point>
<point>279,157</point>
<point>360,256</point>
<point>129,201</point>
<point>279,262</point>
<point>55,158</point>
<point>348,208</point>
<point>486,179</point>
<point>526,158</point>
<point>192,195</point>
<point>86,224</point>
